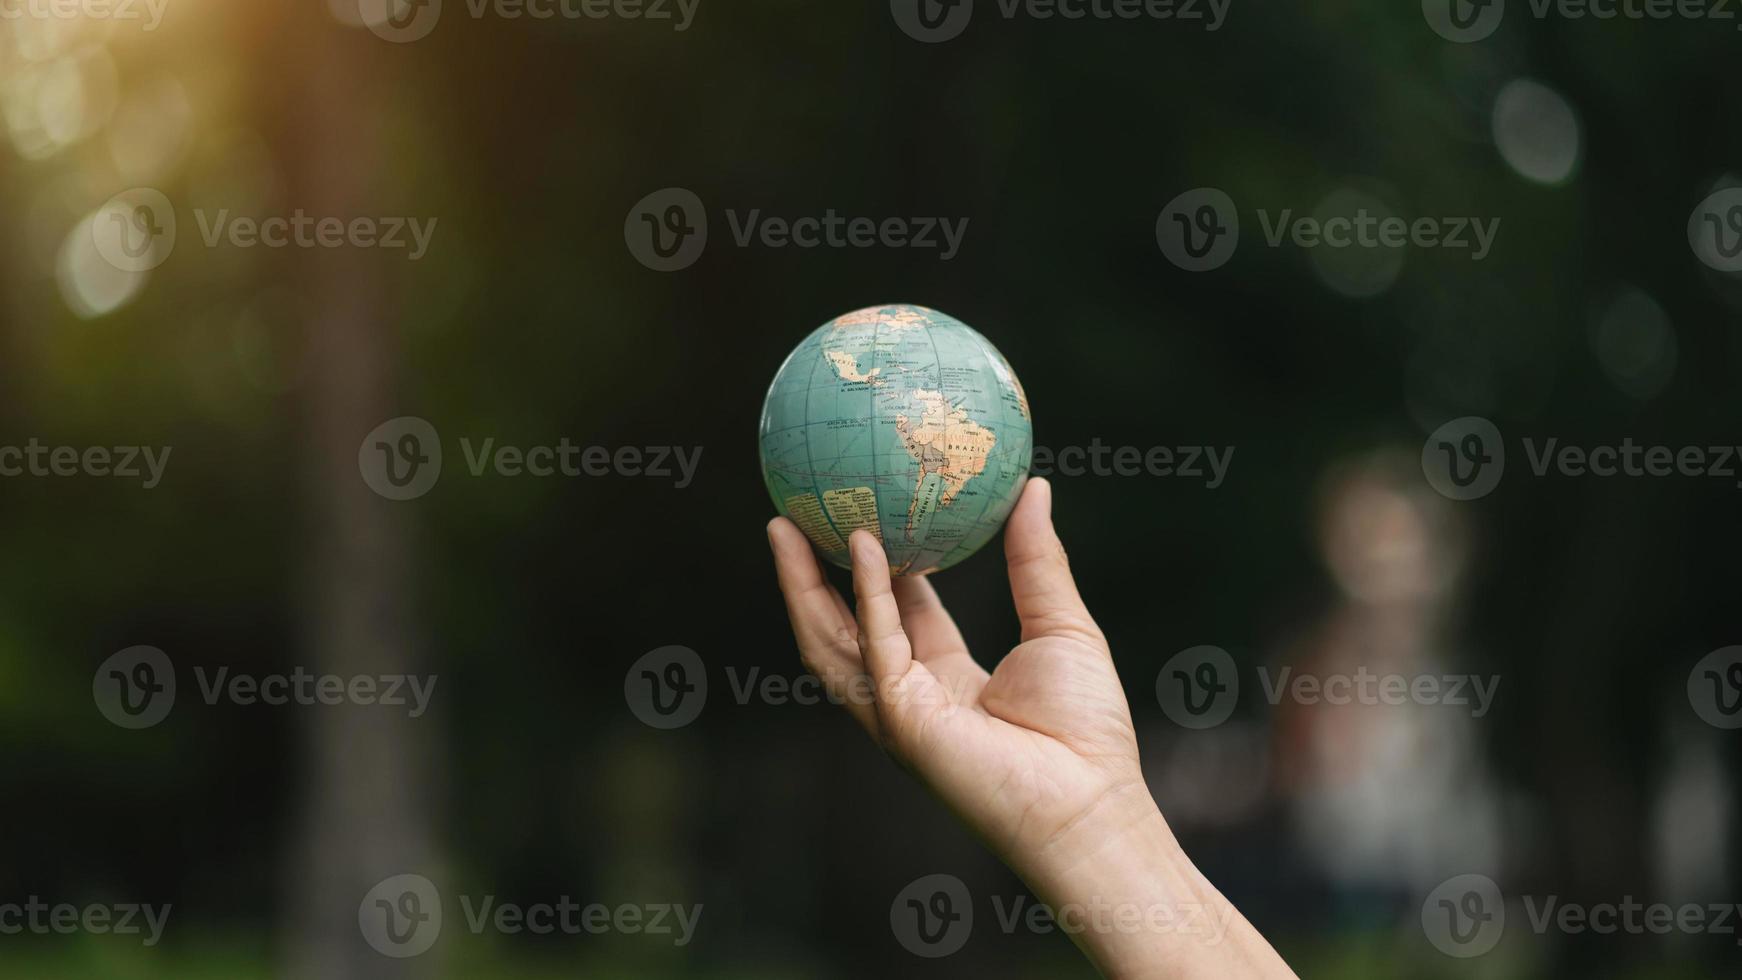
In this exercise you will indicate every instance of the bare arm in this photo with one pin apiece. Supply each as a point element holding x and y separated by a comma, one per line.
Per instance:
<point>1038,756</point>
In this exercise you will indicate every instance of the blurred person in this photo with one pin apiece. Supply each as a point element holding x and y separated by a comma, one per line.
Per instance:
<point>1386,797</point>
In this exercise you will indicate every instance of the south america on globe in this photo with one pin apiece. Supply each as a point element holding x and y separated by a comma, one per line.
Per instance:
<point>902,421</point>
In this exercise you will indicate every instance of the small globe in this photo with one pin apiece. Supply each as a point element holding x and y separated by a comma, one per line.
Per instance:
<point>905,422</point>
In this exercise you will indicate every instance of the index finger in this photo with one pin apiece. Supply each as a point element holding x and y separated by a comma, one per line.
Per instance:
<point>827,640</point>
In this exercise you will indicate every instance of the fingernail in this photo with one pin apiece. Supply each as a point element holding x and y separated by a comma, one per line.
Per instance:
<point>1045,491</point>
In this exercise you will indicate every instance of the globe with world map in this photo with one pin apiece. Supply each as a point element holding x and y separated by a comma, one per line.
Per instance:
<point>902,421</point>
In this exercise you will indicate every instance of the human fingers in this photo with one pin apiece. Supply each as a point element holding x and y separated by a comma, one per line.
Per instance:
<point>882,641</point>
<point>827,638</point>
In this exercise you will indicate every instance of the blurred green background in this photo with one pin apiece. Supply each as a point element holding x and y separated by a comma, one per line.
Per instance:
<point>529,321</point>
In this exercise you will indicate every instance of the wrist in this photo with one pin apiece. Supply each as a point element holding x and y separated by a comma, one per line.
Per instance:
<point>1124,823</point>
<point>1121,887</point>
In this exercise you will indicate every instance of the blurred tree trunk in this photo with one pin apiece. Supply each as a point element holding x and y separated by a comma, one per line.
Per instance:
<point>365,799</point>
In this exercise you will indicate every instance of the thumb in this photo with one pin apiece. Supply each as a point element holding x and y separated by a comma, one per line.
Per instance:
<point>1040,576</point>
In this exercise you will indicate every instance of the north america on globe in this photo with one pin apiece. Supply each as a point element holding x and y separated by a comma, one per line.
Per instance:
<point>902,421</point>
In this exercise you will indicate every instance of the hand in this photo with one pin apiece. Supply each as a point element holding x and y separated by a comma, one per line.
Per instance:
<point>1039,756</point>
<point>1023,754</point>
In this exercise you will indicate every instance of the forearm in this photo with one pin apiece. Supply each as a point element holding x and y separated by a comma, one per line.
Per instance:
<point>1120,886</point>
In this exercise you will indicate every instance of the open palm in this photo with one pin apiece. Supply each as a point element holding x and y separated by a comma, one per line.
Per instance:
<point>1022,753</point>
